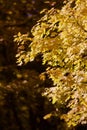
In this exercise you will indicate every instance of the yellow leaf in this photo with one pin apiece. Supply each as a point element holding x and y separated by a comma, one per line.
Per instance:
<point>54,100</point>
<point>47,116</point>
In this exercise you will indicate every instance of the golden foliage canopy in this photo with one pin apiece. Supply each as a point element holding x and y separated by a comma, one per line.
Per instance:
<point>61,37</point>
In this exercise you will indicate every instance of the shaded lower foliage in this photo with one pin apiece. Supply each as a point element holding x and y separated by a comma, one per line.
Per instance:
<point>22,106</point>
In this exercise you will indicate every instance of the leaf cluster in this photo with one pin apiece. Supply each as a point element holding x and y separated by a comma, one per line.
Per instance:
<point>61,37</point>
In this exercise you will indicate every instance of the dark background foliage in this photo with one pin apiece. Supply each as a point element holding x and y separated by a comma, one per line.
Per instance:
<point>21,105</point>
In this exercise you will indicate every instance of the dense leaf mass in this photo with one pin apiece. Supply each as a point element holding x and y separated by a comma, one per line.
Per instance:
<point>60,36</point>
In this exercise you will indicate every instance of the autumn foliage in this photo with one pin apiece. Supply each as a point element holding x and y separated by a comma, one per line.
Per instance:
<point>60,37</point>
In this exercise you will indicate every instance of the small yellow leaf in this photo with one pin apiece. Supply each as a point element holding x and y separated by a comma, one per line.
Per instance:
<point>54,100</point>
<point>19,34</point>
<point>47,116</point>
